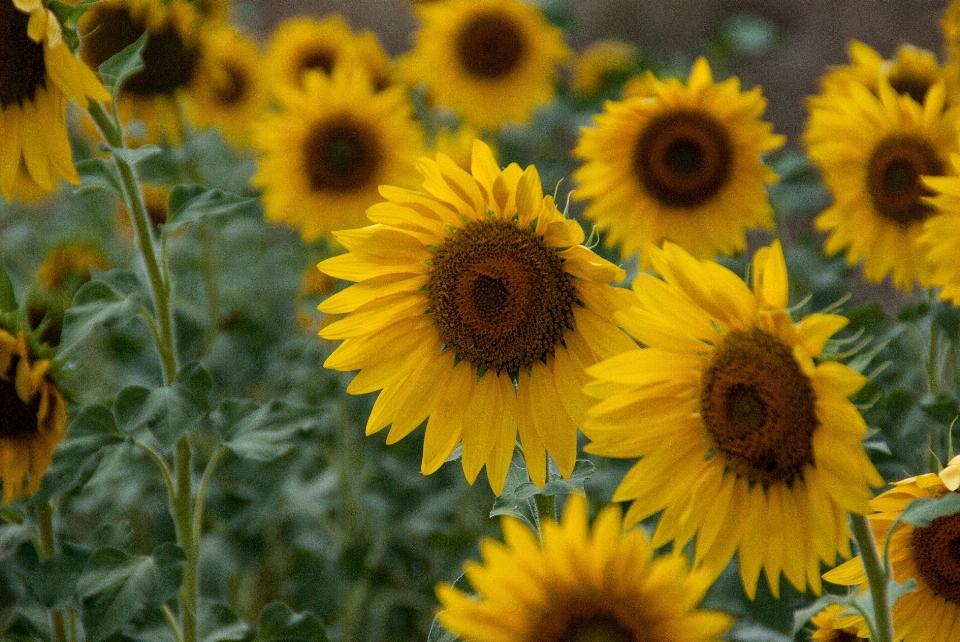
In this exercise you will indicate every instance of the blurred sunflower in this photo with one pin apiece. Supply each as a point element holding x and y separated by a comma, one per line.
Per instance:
<point>213,11</point>
<point>602,64</point>
<point>34,417</point>
<point>324,154</point>
<point>744,440</point>
<point>872,151</point>
<point>682,166</point>
<point>911,72</point>
<point>300,45</point>
<point>38,74</point>
<point>475,306</point>
<point>230,91</point>
<point>931,613</point>
<point>940,240</point>
<point>580,584</point>
<point>66,267</point>
<point>491,61</point>
<point>170,57</point>
<point>827,628</point>
<point>458,144</point>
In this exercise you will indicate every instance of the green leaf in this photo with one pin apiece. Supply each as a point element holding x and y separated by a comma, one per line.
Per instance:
<point>53,580</point>
<point>168,412</point>
<point>263,433</point>
<point>8,298</point>
<point>135,156</point>
<point>90,436</point>
<point>921,512</point>
<point>802,616</point>
<point>116,586</point>
<point>108,300</point>
<point>941,407</point>
<point>115,71</point>
<point>99,174</point>
<point>189,203</point>
<point>278,623</point>
<point>437,632</point>
<point>518,504</point>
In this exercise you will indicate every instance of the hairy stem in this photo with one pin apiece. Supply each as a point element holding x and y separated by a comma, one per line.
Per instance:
<point>876,577</point>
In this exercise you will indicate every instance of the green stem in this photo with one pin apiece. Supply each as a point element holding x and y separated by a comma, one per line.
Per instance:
<point>546,508</point>
<point>136,206</point>
<point>876,577</point>
<point>48,548</point>
<point>187,539</point>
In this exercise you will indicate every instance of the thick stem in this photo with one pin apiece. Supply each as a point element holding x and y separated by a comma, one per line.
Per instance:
<point>876,577</point>
<point>48,548</point>
<point>136,206</point>
<point>188,541</point>
<point>546,508</point>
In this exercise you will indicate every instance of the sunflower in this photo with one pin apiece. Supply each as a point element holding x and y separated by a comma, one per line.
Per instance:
<point>911,72</point>
<point>872,151</point>
<point>329,147</point>
<point>491,61</point>
<point>38,74</point>
<point>681,166</point>
<point>300,45</point>
<point>66,267</point>
<point>939,240</point>
<point>828,626</point>
<point>476,306</point>
<point>601,64</point>
<point>458,144</point>
<point>170,57</point>
<point>931,613</point>
<point>231,87</point>
<point>580,584</point>
<point>744,439</point>
<point>34,417</point>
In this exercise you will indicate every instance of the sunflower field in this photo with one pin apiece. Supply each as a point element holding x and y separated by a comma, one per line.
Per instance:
<point>486,340</point>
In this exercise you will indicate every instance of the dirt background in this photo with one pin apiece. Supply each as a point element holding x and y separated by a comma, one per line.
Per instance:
<point>811,34</point>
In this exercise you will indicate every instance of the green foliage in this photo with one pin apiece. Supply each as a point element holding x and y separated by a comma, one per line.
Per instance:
<point>115,71</point>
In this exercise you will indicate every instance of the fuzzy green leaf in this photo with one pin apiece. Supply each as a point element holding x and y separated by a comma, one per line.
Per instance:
<point>110,299</point>
<point>278,623</point>
<point>189,203</point>
<point>115,70</point>
<point>168,412</point>
<point>97,174</point>
<point>263,433</point>
<point>8,298</point>
<point>921,512</point>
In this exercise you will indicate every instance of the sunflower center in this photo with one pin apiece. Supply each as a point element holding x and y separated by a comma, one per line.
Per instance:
<point>17,419</point>
<point>490,45</point>
<point>842,636</point>
<point>22,66</point>
<point>758,407</point>
<point>599,628</point>
<point>232,87</point>
<point>936,550</point>
<point>683,158</point>
<point>500,297</point>
<point>341,155</point>
<point>893,178</point>
<point>910,84</point>
<point>317,60</point>
<point>168,61</point>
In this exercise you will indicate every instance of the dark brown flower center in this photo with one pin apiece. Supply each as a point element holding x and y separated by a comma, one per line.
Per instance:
<point>500,297</point>
<point>17,419</point>
<point>758,407</point>
<point>341,155</point>
<point>232,86</point>
<point>490,45</point>
<point>169,61</point>
<point>22,66</point>
<point>843,636</point>
<point>317,60</point>
<point>910,83</point>
<point>585,620</point>
<point>683,158</point>
<point>936,551</point>
<point>893,178</point>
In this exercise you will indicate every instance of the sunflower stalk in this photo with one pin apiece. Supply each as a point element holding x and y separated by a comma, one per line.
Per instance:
<point>187,538</point>
<point>877,577</point>
<point>48,548</point>
<point>136,206</point>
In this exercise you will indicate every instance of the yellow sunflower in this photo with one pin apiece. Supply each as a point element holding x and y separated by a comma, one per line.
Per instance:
<point>682,166</point>
<point>34,417</point>
<point>745,440</point>
<point>872,151</point>
<point>928,555</point>
<point>66,267</point>
<point>171,56</point>
<point>475,306</point>
<point>230,91</point>
<point>458,144</point>
<point>581,584</point>
<point>828,627</point>
<point>300,45</point>
<point>940,240</point>
<point>329,147</point>
<point>601,63</point>
<point>491,61</point>
<point>38,75</point>
<point>911,72</point>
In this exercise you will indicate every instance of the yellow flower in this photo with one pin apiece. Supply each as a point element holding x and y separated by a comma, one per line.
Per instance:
<point>476,307</point>
<point>745,441</point>
<point>939,240</point>
<point>33,421</point>
<point>230,91</point>
<point>301,45</point>
<point>681,166</point>
<point>829,628</point>
<point>67,267</point>
<point>911,72</point>
<point>38,75</point>
<point>458,144</point>
<point>329,147</point>
<point>491,61</point>
<point>170,57</point>
<point>599,64</point>
<point>580,584</point>
<point>931,613</point>
<point>872,151</point>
